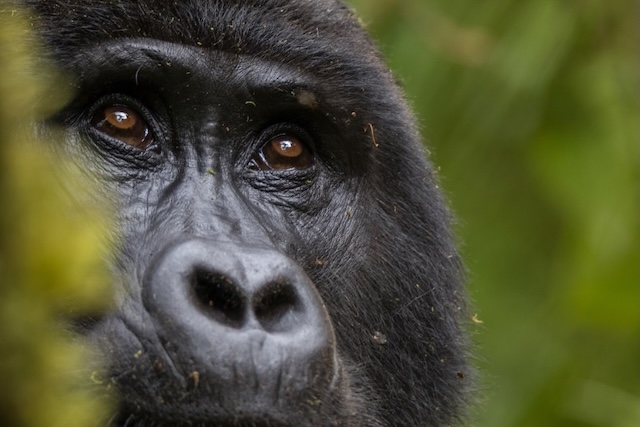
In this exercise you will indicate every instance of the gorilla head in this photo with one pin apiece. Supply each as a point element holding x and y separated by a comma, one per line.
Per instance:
<point>284,255</point>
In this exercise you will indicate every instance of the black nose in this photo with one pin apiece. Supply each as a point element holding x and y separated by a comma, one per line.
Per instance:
<point>240,316</point>
<point>270,298</point>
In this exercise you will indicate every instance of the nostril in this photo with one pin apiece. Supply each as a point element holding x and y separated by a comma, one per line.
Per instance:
<point>219,296</point>
<point>276,306</point>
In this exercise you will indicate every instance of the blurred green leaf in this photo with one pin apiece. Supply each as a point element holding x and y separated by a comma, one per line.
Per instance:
<point>51,257</point>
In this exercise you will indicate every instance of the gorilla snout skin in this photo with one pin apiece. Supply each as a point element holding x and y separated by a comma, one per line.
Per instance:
<point>262,323</point>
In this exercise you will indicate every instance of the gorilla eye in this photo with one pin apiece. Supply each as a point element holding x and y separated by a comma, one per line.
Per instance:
<point>125,124</point>
<point>285,151</point>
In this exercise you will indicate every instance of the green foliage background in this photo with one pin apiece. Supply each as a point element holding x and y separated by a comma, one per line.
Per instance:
<point>530,109</point>
<point>50,256</point>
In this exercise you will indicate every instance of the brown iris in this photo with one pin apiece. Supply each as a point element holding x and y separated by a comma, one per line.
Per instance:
<point>283,152</point>
<point>125,124</point>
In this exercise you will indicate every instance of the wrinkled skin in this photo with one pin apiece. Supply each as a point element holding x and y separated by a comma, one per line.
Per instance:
<point>284,256</point>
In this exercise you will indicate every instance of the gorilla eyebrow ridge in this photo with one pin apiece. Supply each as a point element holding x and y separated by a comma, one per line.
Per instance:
<point>124,59</point>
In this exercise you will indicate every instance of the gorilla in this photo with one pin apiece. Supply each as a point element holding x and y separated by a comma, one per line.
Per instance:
<point>284,255</point>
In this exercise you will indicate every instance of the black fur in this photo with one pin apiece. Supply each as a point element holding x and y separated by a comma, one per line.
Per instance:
<point>366,223</point>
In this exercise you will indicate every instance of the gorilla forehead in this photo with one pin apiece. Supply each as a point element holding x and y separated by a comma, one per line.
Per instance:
<point>280,29</point>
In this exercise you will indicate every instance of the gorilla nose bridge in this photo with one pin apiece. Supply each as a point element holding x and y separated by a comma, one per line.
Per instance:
<point>208,204</point>
<point>215,211</point>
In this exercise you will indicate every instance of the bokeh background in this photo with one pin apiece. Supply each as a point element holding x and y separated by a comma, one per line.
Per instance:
<point>530,111</point>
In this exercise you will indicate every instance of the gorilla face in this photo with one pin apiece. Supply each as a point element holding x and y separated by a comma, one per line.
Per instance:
<point>284,255</point>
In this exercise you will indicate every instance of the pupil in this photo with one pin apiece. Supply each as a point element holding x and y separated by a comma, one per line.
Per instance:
<point>121,116</point>
<point>286,145</point>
